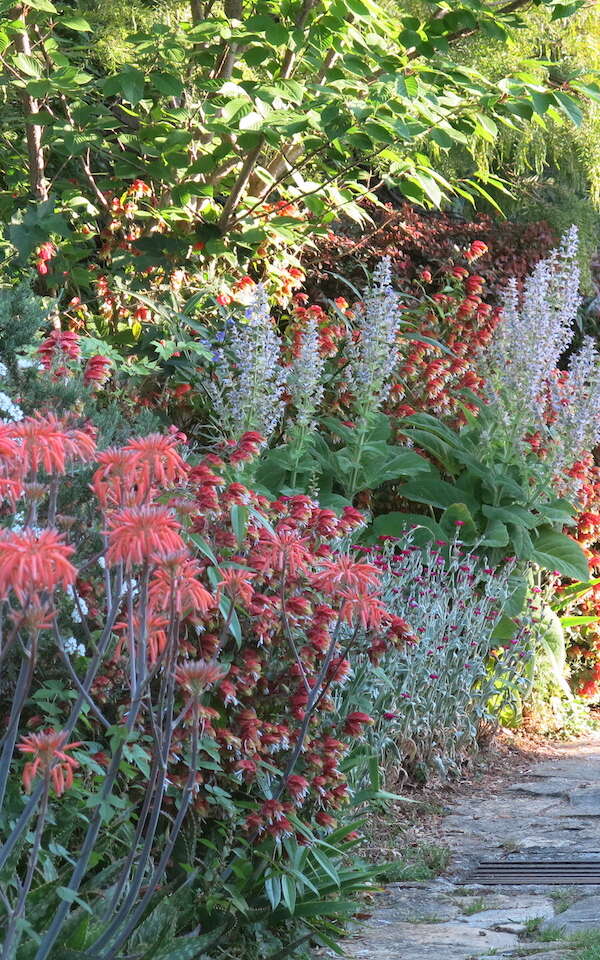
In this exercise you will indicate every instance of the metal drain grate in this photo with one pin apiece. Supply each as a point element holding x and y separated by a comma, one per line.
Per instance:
<point>561,872</point>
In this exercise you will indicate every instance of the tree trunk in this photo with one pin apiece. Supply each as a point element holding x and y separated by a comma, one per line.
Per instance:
<point>33,130</point>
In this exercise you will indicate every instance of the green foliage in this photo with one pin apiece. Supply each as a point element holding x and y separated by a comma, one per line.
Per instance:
<point>235,107</point>
<point>22,316</point>
<point>489,497</point>
<point>552,176</point>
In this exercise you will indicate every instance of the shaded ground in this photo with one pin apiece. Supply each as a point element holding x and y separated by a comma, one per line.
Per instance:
<point>551,811</point>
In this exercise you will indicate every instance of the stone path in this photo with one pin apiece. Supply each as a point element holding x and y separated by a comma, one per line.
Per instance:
<point>553,813</point>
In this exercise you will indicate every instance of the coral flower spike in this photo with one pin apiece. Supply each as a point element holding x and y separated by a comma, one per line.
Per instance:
<point>31,562</point>
<point>344,572</point>
<point>50,758</point>
<point>197,676</point>
<point>157,459</point>
<point>46,441</point>
<point>177,581</point>
<point>137,534</point>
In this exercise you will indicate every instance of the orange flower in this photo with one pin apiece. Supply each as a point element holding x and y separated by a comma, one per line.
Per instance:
<point>236,585</point>
<point>285,550</point>
<point>50,758</point>
<point>34,617</point>
<point>11,489</point>
<point>176,581</point>
<point>9,448</point>
<point>197,676</point>
<point>136,534</point>
<point>46,441</point>
<point>157,459</point>
<point>115,482</point>
<point>344,572</point>
<point>363,606</point>
<point>156,634</point>
<point>32,562</point>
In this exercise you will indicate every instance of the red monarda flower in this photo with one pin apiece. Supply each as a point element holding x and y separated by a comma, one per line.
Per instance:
<point>97,370</point>
<point>137,534</point>
<point>31,562</point>
<point>344,572</point>
<point>325,820</point>
<point>176,581</point>
<point>298,788</point>
<point>197,676</point>
<point>355,722</point>
<point>47,442</point>
<point>57,347</point>
<point>50,758</point>
<point>157,459</point>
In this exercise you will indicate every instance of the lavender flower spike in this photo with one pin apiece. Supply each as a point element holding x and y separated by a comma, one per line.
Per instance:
<point>375,355</point>
<point>248,394</point>
<point>305,383</point>
<point>535,330</point>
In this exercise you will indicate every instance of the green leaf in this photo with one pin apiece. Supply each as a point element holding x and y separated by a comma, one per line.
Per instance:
<point>75,23</point>
<point>239,522</point>
<point>456,521</point>
<point>44,5</point>
<point>167,83</point>
<point>402,464</point>
<point>575,591</point>
<point>204,548</point>
<point>495,534</point>
<point>432,490</point>
<point>398,524</point>
<point>326,865</point>
<point>71,896</point>
<point>273,889</point>
<point>570,107</point>
<point>558,511</point>
<point>358,8</point>
<point>288,889</point>
<point>131,82</point>
<point>28,65</point>
<point>556,551</point>
<point>325,908</point>
<point>378,132</point>
<point>551,638</point>
<point>579,621</point>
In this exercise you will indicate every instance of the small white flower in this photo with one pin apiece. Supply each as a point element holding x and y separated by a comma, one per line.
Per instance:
<point>79,610</point>
<point>26,363</point>
<point>3,370</point>
<point>11,409</point>
<point>70,645</point>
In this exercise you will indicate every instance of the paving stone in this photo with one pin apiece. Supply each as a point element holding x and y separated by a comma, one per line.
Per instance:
<point>562,953</point>
<point>547,787</point>
<point>389,940</point>
<point>514,914</point>
<point>583,915</point>
<point>413,906</point>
